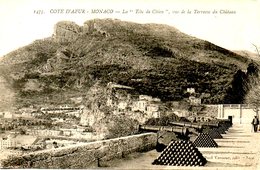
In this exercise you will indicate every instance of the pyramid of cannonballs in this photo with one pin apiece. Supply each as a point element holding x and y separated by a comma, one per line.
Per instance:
<point>226,126</point>
<point>222,130</point>
<point>214,133</point>
<point>204,140</point>
<point>180,153</point>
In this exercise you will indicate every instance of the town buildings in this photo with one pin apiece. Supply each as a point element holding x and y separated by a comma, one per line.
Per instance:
<point>194,100</point>
<point>148,105</point>
<point>191,90</point>
<point>7,142</point>
<point>63,109</point>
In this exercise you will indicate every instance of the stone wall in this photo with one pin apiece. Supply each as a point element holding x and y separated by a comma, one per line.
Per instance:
<point>87,155</point>
<point>240,113</point>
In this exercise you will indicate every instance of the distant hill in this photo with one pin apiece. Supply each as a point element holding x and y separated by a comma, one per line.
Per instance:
<point>154,59</point>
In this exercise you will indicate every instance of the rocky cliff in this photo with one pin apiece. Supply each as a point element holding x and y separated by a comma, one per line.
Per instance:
<point>66,31</point>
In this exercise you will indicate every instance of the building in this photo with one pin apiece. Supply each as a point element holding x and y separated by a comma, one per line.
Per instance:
<point>7,142</point>
<point>76,111</point>
<point>145,97</point>
<point>194,100</point>
<point>190,90</point>
<point>140,105</point>
<point>67,132</point>
<point>153,110</point>
<point>36,113</point>
<point>148,105</point>
<point>27,111</point>
<point>57,120</point>
<point>87,118</point>
<point>8,115</point>
<point>122,105</point>
<point>239,113</point>
<point>43,132</point>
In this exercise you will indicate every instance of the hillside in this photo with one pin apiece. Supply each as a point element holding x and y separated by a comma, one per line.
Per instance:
<point>248,54</point>
<point>154,59</point>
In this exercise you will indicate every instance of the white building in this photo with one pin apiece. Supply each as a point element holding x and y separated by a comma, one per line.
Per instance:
<point>44,132</point>
<point>240,113</point>
<point>63,109</point>
<point>148,105</point>
<point>190,90</point>
<point>145,97</point>
<point>87,118</point>
<point>8,142</point>
<point>8,115</point>
<point>140,105</point>
<point>153,110</point>
<point>122,105</point>
<point>194,100</point>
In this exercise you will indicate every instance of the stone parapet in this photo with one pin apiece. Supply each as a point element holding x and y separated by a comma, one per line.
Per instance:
<point>87,155</point>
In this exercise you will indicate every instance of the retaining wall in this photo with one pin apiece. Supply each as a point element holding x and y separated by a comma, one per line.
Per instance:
<point>87,155</point>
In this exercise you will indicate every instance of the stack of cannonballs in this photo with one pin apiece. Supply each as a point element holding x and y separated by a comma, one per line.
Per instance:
<point>214,133</point>
<point>204,140</point>
<point>222,130</point>
<point>180,153</point>
<point>224,125</point>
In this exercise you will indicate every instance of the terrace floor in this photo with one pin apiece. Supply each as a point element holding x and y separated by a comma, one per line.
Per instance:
<point>239,149</point>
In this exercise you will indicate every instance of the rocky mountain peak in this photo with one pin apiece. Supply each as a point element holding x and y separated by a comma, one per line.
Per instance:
<point>66,31</point>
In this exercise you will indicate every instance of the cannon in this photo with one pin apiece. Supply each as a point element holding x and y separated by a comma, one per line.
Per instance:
<point>196,127</point>
<point>178,130</point>
<point>187,124</point>
<point>181,132</point>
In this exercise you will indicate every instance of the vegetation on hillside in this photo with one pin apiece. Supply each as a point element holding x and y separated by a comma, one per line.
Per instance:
<point>120,125</point>
<point>243,85</point>
<point>252,96</point>
<point>154,59</point>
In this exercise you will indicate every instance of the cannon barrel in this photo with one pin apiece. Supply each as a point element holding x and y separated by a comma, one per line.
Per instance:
<point>187,124</point>
<point>224,120</point>
<point>221,121</point>
<point>194,125</point>
<point>210,124</point>
<point>180,130</point>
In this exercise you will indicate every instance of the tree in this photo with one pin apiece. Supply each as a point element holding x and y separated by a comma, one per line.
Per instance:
<point>121,126</point>
<point>238,89</point>
<point>256,49</point>
<point>22,131</point>
<point>253,96</point>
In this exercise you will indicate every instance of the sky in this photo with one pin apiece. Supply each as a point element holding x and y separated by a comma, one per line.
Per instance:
<point>235,26</point>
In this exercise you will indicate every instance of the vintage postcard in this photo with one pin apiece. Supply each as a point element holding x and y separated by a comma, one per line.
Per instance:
<point>145,84</point>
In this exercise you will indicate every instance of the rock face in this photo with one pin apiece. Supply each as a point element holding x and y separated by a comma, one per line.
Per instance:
<point>66,31</point>
<point>97,27</point>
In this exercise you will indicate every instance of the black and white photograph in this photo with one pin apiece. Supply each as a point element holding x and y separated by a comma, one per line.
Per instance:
<point>134,84</point>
